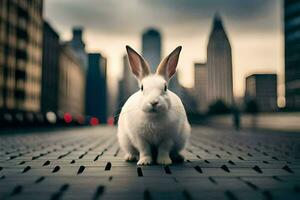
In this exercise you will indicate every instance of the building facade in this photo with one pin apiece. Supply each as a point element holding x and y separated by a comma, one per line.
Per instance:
<point>219,65</point>
<point>96,87</point>
<point>292,55</point>
<point>200,87</point>
<point>263,89</point>
<point>127,85</point>
<point>174,85</point>
<point>78,46</point>
<point>130,84</point>
<point>71,82</point>
<point>50,69</point>
<point>151,47</point>
<point>21,27</point>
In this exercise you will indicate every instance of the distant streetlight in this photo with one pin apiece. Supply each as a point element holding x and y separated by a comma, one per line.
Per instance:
<point>94,121</point>
<point>51,117</point>
<point>68,118</point>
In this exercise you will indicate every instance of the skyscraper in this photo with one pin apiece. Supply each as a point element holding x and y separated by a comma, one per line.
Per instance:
<point>78,46</point>
<point>174,85</point>
<point>21,33</point>
<point>151,47</point>
<point>96,91</point>
<point>219,64</point>
<point>50,69</point>
<point>127,85</point>
<point>71,82</point>
<point>130,84</point>
<point>292,55</point>
<point>263,89</point>
<point>200,88</point>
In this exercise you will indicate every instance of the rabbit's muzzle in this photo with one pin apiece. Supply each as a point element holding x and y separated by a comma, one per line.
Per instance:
<point>155,103</point>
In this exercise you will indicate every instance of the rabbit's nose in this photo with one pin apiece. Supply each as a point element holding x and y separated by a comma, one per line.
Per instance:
<point>154,103</point>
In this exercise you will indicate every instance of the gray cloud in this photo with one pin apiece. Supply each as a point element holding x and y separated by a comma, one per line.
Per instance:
<point>183,17</point>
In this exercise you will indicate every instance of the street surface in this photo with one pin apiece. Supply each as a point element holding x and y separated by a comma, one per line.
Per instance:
<point>86,163</point>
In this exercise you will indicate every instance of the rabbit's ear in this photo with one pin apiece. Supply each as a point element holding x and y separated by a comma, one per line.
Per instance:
<point>167,67</point>
<point>139,66</point>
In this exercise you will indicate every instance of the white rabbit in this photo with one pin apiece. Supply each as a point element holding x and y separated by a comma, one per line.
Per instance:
<point>153,119</point>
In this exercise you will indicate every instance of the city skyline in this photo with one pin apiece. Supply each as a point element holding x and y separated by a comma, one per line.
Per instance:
<point>248,24</point>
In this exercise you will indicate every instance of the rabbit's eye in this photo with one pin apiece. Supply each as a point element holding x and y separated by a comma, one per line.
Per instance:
<point>142,87</point>
<point>165,89</point>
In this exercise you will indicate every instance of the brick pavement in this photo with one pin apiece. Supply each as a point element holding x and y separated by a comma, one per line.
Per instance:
<point>87,163</point>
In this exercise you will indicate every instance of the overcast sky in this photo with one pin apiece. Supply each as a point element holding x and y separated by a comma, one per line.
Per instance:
<point>254,28</point>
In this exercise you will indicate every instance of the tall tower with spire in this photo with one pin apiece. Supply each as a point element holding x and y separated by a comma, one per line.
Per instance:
<point>219,64</point>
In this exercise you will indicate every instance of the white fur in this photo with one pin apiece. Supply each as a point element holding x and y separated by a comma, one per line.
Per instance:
<point>141,128</point>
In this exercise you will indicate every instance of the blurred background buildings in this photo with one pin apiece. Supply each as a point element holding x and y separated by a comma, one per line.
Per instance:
<point>78,46</point>
<point>50,69</point>
<point>127,84</point>
<point>96,88</point>
<point>262,88</point>
<point>71,82</point>
<point>292,53</point>
<point>21,36</point>
<point>151,47</point>
<point>219,65</point>
<point>201,87</point>
<point>42,75</point>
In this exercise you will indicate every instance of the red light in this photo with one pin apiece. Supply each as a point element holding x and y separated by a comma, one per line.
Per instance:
<point>68,118</point>
<point>110,121</point>
<point>94,121</point>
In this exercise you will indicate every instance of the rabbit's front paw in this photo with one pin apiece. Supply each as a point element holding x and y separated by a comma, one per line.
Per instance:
<point>164,160</point>
<point>146,160</point>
